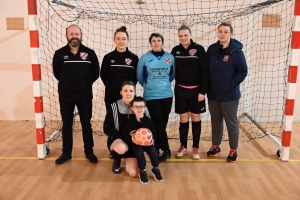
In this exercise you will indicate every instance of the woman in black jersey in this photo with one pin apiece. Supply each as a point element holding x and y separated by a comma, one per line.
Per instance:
<point>117,67</point>
<point>191,84</point>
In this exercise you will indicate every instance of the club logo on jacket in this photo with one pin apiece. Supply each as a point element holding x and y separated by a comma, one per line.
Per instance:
<point>226,58</point>
<point>192,52</point>
<point>83,55</point>
<point>112,61</point>
<point>178,52</point>
<point>128,61</point>
<point>168,60</point>
<point>66,57</point>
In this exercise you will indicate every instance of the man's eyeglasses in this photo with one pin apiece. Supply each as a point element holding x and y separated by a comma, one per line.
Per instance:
<point>138,107</point>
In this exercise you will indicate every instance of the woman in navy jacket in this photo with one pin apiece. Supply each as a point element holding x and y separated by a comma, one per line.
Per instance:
<point>227,70</point>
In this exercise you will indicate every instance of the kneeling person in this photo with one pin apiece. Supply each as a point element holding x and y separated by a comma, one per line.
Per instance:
<point>138,105</point>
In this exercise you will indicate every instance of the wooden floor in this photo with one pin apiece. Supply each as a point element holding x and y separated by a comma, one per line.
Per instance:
<point>258,174</point>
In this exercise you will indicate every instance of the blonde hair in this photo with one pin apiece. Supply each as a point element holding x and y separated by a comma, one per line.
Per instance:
<point>184,26</point>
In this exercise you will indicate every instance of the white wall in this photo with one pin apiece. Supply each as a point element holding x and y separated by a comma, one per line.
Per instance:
<point>16,102</point>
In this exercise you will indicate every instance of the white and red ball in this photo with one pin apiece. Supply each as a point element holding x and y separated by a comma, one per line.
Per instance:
<point>143,137</point>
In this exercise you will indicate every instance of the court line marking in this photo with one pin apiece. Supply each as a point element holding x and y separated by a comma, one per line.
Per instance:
<point>212,160</point>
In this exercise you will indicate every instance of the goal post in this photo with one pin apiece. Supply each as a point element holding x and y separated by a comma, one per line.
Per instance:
<point>36,78</point>
<point>291,84</point>
<point>264,27</point>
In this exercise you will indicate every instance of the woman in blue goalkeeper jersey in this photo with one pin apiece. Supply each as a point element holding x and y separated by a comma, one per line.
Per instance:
<point>155,72</point>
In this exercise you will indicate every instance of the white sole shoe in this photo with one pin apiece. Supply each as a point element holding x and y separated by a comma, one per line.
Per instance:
<point>182,153</point>
<point>196,156</point>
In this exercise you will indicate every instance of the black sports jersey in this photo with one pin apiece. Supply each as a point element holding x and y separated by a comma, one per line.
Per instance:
<point>191,66</point>
<point>117,67</point>
<point>75,73</point>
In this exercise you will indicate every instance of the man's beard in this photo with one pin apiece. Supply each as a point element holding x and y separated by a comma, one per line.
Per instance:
<point>74,42</point>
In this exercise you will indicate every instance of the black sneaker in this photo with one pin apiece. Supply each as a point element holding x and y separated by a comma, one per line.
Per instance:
<point>62,159</point>
<point>156,174</point>
<point>111,156</point>
<point>166,154</point>
<point>143,177</point>
<point>116,167</point>
<point>92,158</point>
<point>232,155</point>
<point>214,150</point>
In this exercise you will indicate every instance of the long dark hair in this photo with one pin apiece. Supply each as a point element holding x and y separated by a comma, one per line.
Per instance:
<point>122,29</point>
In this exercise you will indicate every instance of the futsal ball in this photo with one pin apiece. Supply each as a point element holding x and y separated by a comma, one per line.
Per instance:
<point>143,137</point>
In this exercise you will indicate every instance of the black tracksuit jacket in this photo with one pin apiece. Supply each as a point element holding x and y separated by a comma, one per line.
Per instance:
<point>117,67</point>
<point>75,73</point>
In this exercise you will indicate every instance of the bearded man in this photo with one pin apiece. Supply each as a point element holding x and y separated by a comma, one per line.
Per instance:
<point>76,67</point>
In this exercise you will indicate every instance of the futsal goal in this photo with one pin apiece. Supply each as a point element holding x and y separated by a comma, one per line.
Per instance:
<point>264,27</point>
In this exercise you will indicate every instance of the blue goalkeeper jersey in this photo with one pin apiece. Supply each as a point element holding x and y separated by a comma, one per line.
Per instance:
<point>155,74</point>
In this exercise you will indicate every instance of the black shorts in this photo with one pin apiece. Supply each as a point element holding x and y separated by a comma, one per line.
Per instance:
<point>127,154</point>
<point>186,100</point>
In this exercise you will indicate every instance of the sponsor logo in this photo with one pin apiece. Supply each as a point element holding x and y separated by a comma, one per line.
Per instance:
<point>128,61</point>
<point>168,60</point>
<point>83,55</point>
<point>151,60</point>
<point>226,58</point>
<point>192,52</point>
<point>66,57</point>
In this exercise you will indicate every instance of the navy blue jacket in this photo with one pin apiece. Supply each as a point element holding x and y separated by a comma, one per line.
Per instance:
<point>227,69</point>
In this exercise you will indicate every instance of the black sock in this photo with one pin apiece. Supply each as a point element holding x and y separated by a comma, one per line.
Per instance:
<point>196,129</point>
<point>117,156</point>
<point>183,133</point>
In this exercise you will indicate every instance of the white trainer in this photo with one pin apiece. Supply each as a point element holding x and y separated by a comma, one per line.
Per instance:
<point>196,155</point>
<point>181,151</point>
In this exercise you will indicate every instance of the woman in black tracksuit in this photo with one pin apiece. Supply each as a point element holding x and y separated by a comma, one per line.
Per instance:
<point>117,67</point>
<point>191,84</point>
